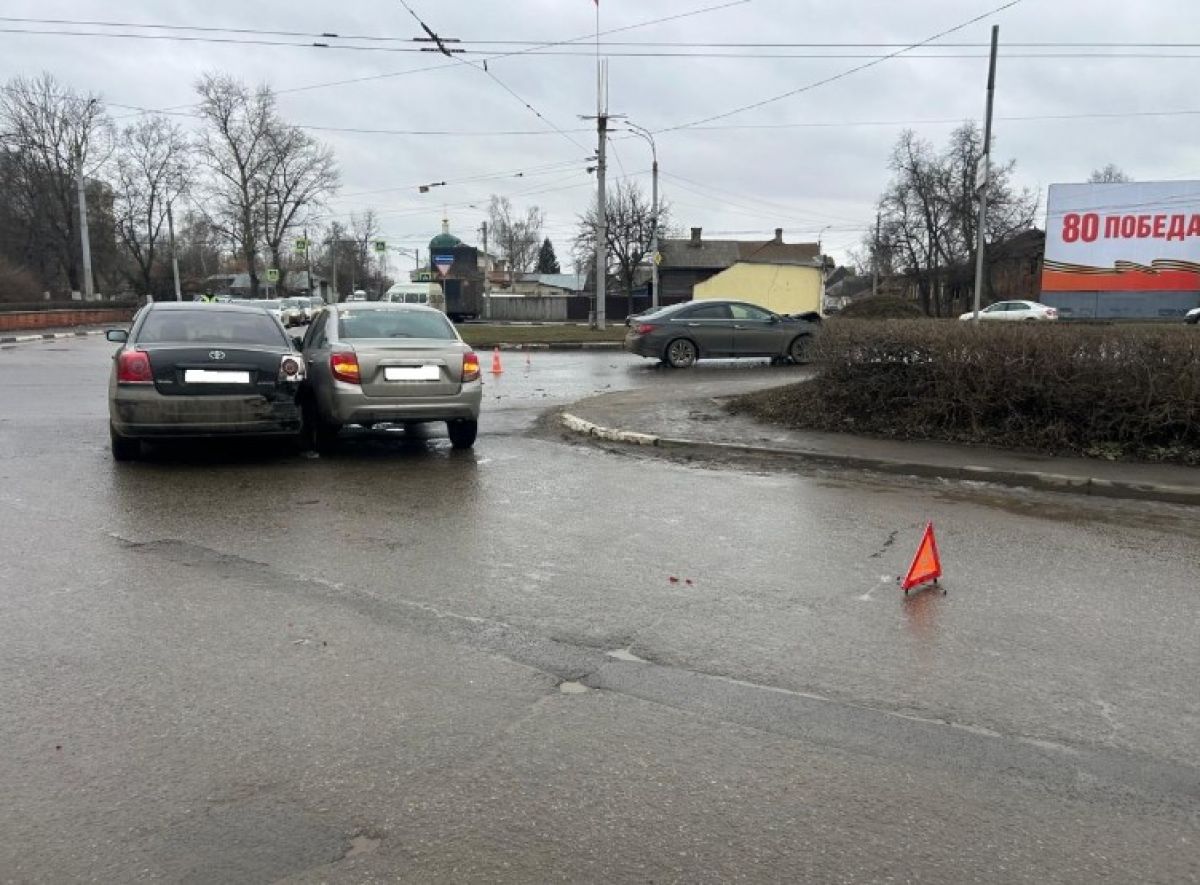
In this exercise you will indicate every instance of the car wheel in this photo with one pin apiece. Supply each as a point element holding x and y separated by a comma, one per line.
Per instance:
<point>798,349</point>
<point>124,448</point>
<point>463,433</point>
<point>681,354</point>
<point>320,434</point>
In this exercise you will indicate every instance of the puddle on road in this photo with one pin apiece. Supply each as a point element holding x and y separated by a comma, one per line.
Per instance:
<point>624,654</point>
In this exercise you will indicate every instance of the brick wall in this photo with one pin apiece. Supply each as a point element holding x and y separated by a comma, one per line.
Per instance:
<point>59,319</point>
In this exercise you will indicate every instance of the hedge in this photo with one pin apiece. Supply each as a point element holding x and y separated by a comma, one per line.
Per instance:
<point>1102,391</point>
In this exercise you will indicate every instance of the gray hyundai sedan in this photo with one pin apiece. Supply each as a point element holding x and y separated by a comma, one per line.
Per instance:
<point>372,363</point>
<point>683,333</point>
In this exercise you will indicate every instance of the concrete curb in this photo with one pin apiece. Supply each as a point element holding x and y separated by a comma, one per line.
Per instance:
<point>1050,482</point>
<point>50,336</point>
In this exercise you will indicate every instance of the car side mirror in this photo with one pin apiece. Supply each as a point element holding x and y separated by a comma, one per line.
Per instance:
<point>117,336</point>
<point>774,320</point>
<point>297,342</point>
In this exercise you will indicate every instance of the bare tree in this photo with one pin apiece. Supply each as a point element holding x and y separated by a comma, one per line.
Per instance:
<point>930,215</point>
<point>517,237</point>
<point>235,146</point>
<point>629,234</point>
<point>152,171</point>
<point>364,229</point>
<point>1109,174</point>
<point>52,137</point>
<point>200,247</point>
<point>300,174</point>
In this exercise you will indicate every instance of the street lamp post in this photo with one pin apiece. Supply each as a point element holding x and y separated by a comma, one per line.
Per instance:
<point>646,134</point>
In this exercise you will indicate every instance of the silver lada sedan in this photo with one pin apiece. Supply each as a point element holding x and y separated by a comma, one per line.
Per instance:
<point>371,363</point>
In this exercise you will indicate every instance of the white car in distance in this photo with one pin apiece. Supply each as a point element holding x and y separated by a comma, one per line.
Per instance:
<point>1014,311</point>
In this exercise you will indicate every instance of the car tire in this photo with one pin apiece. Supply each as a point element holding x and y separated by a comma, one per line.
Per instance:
<point>320,435</point>
<point>463,432</point>
<point>681,353</point>
<point>123,448</point>
<point>798,349</point>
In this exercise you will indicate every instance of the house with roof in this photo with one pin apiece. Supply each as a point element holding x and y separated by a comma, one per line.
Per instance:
<point>783,277</point>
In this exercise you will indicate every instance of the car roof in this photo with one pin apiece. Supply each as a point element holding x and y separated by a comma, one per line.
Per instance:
<point>197,306</point>
<point>384,305</point>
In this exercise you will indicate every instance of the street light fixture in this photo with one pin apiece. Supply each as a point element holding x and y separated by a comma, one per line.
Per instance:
<point>648,136</point>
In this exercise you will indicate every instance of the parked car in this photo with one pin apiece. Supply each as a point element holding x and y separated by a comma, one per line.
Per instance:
<point>271,306</point>
<point>311,305</point>
<point>291,312</point>
<point>1014,310</point>
<point>1192,316</point>
<point>193,370</point>
<point>683,333</point>
<point>377,363</point>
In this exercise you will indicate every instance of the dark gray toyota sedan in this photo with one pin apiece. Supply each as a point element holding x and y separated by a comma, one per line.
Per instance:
<point>683,333</point>
<point>195,370</point>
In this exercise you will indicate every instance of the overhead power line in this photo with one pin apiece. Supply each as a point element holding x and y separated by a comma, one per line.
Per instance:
<point>854,70</point>
<point>642,44</point>
<point>460,49</point>
<point>441,45</point>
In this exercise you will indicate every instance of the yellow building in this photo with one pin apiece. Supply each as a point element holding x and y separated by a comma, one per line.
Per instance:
<point>783,288</point>
<point>782,277</point>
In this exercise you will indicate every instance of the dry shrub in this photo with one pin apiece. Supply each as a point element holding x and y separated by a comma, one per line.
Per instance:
<point>1106,391</point>
<point>881,307</point>
<point>17,283</point>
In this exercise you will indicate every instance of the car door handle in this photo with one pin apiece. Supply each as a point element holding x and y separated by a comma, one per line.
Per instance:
<point>693,325</point>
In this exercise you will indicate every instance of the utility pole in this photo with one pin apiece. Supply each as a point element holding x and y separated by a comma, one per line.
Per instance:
<point>981,181</point>
<point>85,242</point>
<point>487,293</point>
<point>333,252</point>
<point>875,260</point>
<point>654,230</point>
<point>601,221</point>
<point>174,255</point>
<point>646,134</point>
<point>308,261</point>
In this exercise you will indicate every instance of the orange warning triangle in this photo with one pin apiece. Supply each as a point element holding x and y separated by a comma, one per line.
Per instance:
<point>926,565</point>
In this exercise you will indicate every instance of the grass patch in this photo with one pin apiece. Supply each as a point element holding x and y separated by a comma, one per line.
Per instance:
<point>482,335</point>
<point>1112,392</point>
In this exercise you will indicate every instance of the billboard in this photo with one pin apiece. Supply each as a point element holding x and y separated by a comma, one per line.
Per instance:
<point>1139,237</point>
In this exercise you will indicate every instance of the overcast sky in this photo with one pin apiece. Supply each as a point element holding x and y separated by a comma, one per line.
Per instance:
<point>741,180</point>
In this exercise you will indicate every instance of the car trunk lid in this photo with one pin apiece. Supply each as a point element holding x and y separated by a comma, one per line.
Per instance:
<point>413,367</point>
<point>212,370</point>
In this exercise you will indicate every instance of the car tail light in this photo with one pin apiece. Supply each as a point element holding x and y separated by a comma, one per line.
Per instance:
<point>345,367</point>
<point>291,369</point>
<point>133,367</point>
<point>645,329</point>
<point>470,370</point>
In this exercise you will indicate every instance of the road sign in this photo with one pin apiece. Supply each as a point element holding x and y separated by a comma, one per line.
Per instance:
<point>658,258</point>
<point>443,263</point>
<point>272,275</point>
<point>301,244</point>
<point>380,246</point>
<point>981,173</point>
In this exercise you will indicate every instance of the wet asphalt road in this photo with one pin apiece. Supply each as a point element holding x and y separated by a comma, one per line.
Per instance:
<point>407,663</point>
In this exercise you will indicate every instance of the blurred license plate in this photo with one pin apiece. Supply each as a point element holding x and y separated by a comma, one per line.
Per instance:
<point>412,373</point>
<point>210,376</point>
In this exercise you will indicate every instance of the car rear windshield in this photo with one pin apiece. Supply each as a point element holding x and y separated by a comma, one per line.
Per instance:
<point>368,323</point>
<point>210,326</point>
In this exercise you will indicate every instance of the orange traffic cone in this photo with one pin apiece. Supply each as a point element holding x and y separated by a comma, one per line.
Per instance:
<point>496,367</point>
<point>926,565</point>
